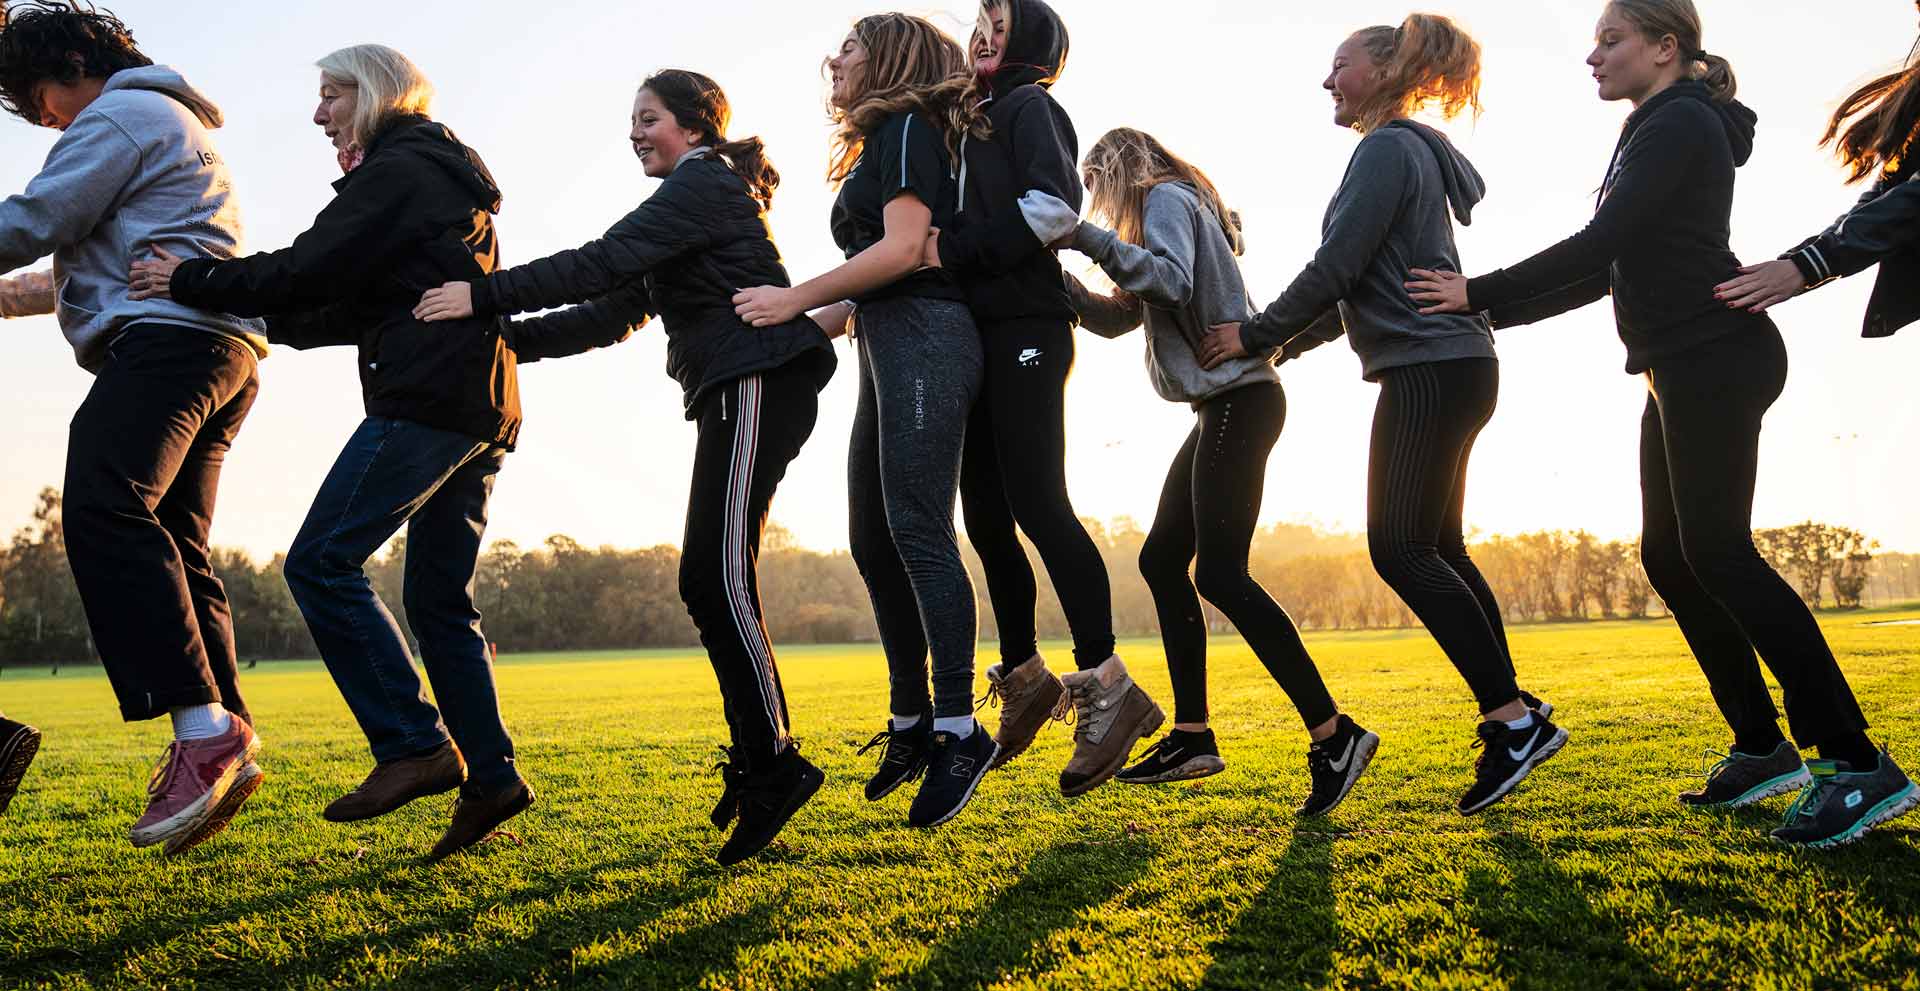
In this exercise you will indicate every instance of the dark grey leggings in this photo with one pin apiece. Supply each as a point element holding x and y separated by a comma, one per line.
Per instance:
<point>920,372</point>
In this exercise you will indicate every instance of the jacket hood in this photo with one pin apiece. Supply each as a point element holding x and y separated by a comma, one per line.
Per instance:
<point>163,79</point>
<point>436,143</point>
<point>1737,118</point>
<point>1036,47</point>
<point>1465,188</point>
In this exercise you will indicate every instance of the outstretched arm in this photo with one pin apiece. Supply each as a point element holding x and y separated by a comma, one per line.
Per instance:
<point>28,295</point>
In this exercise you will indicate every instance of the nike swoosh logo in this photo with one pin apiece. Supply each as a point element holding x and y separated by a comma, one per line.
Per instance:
<point>1171,754</point>
<point>1346,757</point>
<point>1521,754</point>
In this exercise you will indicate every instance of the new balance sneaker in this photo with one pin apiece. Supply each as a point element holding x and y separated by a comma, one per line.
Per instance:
<point>477,813</point>
<point>18,743</point>
<point>394,783</point>
<point>1110,719</point>
<point>1507,756</point>
<point>1029,696</point>
<point>904,758</point>
<point>955,766</point>
<point>1181,755</point>
<point>1741,779</point>
<point>1536,703</point>
<point>765,800</point>
<point>1335,763</point>
<point>187,788</point>
<point>1839,805</point>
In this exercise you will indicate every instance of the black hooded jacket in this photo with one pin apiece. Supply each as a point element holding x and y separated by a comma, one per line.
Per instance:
<point>1008,274</point>
<point>1883,229</point>
<point>417,213</point>
<point>1658,240</point>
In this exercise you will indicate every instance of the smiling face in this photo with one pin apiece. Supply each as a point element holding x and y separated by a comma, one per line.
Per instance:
<point>1353,81</point>
<point>338,100</point>
<point>1627,64</point>
<point>989,45</point>
<point>658,139</point>
<point>848,71</point>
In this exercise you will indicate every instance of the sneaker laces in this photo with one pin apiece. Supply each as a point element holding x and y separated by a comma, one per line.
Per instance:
<point>884,736</point>
<point>1708,771</point>
<point>1807,803</point>
<point>731,778</point>
<point>1153,748</point>
<point>163,772</point>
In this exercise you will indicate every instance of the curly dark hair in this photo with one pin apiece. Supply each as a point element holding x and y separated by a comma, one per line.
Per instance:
<point>61,41</point>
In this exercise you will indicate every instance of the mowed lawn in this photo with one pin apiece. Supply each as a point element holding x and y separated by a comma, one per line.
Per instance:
<point>1590,876</point>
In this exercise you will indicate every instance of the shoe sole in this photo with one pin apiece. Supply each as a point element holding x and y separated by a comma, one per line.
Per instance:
<point>810,784</point>
<point>1362,757</point>
<point>1193,768</point>
<point>409,800</point>
<point>1145,726</point>
<point>1789,782</point>
<point>964,798</point>
<point>918,770</point>
<point>1889,809</point>
<point>243,788</point>
<point>1537,758</point>
<point>194,817</point>
<point>13,763</point>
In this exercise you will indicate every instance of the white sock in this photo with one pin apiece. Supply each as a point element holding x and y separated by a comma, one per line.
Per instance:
<point>199,722</point>
<point>1524,722</point>
<point>901,722</point>
<point>959,726</point>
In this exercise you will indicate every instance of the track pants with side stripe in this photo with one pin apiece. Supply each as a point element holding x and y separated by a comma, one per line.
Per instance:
<point>750,429</point>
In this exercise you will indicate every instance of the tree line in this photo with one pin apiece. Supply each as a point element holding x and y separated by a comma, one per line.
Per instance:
<point>565,596</point>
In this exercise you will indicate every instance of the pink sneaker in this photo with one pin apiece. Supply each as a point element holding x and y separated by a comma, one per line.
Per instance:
<point>189,790</point>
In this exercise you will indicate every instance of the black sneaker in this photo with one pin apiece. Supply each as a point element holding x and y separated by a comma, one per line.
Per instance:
<point>955,766</point>
<point>904,759</point>
<point>1540,706</point>
<point>765,800</point>
<point>1178,756</point>
<point>1841,804</point>
<point>1507,757</point>
<point>732,774</point>
<point>1335,763</point>
<point>18,743</point>
<point>1742,779</point>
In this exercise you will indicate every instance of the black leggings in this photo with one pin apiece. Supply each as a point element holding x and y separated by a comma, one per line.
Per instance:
<point>1014,472</point>
<point>1423,433</point>
<point>1699,453</point>
<point>1209,507</point>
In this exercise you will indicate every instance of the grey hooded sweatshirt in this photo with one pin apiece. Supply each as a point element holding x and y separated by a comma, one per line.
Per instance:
<point>137,167</point>
<point>1389,216</point>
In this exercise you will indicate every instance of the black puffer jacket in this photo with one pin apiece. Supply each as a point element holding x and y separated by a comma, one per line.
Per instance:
<point>417,213</point>
<point>694,243</point>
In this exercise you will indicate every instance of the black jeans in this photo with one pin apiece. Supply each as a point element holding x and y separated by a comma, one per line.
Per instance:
<point>1423,432</point>
<point>1209,508</point>
<point>919,376</point>
<point>1699,453</point>
<point>1014,471</point>
<point>750,429</point>
<point>395,473</point>
<point>143,468</point>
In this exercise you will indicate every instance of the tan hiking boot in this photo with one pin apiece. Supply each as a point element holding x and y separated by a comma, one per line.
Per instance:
<point>1028,696</point>
<point>394,783</point>
<point>1109,720</point>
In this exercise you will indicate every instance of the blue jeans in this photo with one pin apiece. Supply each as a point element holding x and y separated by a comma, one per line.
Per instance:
<point>436,483</point>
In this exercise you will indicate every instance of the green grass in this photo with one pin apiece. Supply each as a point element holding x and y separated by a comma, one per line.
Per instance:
<point>1590,876</point>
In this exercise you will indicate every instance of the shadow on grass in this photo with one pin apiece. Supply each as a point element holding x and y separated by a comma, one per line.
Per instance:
<point>1540,918</point>
<point>1286,936</point>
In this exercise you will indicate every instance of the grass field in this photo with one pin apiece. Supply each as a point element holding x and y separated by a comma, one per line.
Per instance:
<point>1590,876</point>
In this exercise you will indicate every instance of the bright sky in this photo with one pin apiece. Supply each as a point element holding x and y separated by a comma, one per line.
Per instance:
<point>543,92</point>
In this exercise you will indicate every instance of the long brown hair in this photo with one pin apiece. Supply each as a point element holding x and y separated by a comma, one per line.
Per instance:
<point>1428,61</point>
<point>1886,120</point>
<point>698,104</point>
<point>1125,164</point>
<point>911,66</point>
<point>1658,18</point>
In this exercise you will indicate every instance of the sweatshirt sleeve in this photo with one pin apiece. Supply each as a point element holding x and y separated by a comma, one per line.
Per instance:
<point>29,295</point>
<point>1363,212</point>
<point>1109,316</point>
<point>1520,312</point>
<point>80,184</point>
<point>1885,220</point>
<point>1044,150</point>
<point>327,326</point>
<point>596,323</point>
<point>1161,272</point>
<point>669,224</point>
<point>1325,329</point>
<point>1651,170</point>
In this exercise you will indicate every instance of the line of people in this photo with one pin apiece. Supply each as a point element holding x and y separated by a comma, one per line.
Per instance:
<point>959,179</point>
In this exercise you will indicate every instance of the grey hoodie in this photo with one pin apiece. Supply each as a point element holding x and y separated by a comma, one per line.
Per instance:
<point>136,167</point>
<point>1182,281</point>
<point>1389,216</point>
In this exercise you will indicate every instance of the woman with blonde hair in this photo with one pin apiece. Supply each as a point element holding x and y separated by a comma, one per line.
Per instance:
<point>1439,379</point>
<point>895,79</point>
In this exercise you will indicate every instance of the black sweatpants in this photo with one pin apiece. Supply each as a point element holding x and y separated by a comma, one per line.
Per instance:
<point>144,455</point>
<point>750,429</point>
<point>1014,472</point>
<point>1699,454</point>
<point>1209,507</point>
<point>1424,427</point>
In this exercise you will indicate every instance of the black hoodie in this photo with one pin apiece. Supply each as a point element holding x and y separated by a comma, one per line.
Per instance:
<point>1658,240</point>
<point>416,214</point>
<point>1008,274</point>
